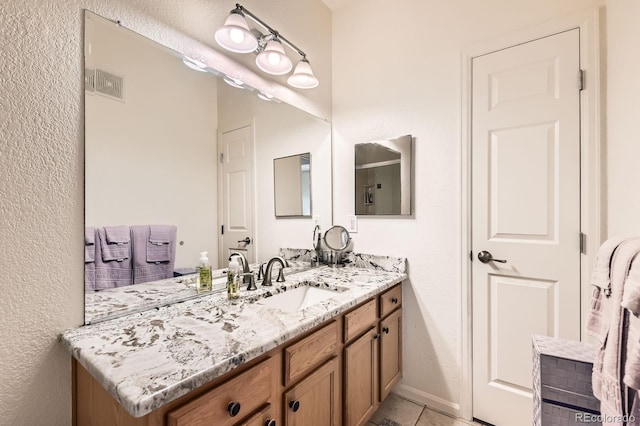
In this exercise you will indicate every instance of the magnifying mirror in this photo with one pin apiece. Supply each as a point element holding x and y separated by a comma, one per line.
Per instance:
<point>337,238</point>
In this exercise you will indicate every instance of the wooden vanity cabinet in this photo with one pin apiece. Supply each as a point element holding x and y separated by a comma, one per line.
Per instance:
<point>337,373</point>
<point>373,361</point>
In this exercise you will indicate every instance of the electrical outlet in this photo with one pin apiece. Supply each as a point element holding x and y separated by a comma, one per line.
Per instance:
<point>353,223</point>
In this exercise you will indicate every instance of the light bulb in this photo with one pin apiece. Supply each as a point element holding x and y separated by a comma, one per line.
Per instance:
<point>236,35</point>
<point>274,58</point>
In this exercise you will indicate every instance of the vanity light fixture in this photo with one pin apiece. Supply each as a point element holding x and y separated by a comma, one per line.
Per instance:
<point>236,36</point>
<point>234,82</point>
<point>268,97</point>
<point>194,64</point>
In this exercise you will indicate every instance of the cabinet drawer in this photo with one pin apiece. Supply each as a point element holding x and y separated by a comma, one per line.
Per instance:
<point>249,390</point>
<point>553,415</point>
<point>390,300</point>
<point>360,319</point>
<point>301,357</point>
<point>566,374</point>
<point>264,417</point>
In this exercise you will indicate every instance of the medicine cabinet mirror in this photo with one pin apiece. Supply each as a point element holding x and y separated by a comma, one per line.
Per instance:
<point>383,177</point>
<point>292,185</point>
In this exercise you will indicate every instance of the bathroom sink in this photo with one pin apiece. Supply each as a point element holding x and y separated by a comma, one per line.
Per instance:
<point>299,298</point>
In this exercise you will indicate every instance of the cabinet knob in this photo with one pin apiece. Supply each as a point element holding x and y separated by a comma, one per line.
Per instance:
<point>233,408</point>
<point>376,336</point>
<point>386,330</point>
<point>270,422</point>
<point>294,405</point>
<point>394,300</point>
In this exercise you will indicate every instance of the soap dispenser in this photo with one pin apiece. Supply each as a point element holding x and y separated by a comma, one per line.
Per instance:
<point>204,271</point>
<point>233,279</point>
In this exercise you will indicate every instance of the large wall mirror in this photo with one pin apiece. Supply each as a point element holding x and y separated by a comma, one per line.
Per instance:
<point>383,177</point>
<point>153,132</point>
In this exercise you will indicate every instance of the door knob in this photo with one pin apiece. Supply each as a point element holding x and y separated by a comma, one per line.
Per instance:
<point>246,241</point>
<point>486,257</point>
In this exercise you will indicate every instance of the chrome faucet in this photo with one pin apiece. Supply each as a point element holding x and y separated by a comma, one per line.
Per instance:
<point>247,276</point>
<point>267,272</point>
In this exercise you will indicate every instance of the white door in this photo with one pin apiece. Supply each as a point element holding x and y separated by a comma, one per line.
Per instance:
<point>526,210</point>
<point>237,227</point>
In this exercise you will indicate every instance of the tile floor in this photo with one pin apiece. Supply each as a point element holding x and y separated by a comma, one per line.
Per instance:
<point>396,411</point>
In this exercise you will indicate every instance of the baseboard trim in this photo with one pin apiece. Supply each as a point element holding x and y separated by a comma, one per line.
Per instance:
<point>424,398</point>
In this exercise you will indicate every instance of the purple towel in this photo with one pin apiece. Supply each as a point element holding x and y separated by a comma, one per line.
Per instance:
<point>112,273</point>
<point>144,271</point>
<point>118,249</point>
<point>117,234</point>
<point>159,245</point>
<point>89,258</point>
<point>89,244</point>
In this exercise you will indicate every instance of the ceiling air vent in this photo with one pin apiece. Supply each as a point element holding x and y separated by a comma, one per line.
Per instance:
<point>109,84</point>
<point>89,80</point>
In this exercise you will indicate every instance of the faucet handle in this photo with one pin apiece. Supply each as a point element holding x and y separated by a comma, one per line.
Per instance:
<point>249,276</point>
<point>261,271</point>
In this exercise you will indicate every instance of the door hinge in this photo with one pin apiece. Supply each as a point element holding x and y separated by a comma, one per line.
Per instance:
<point>583,243</point>
<point>222,230</point>
<point>221,158</point>
<point>581,81</point>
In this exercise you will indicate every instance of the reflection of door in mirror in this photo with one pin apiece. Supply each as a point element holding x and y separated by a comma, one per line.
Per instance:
<point>292,185</point>
<point>236,158</point>
<point>383,177</point>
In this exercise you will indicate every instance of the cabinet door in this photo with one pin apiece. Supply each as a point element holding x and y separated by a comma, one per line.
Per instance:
<point>390,352</point>
<point>315,400</point>
<point>361,378</point>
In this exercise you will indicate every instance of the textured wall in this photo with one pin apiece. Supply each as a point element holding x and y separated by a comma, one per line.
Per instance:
<point>41,170</point>
<point>406,80</point>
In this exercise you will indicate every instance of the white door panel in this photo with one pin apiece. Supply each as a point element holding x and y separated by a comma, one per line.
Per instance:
<point>236,147</point>
<point>526,210</point>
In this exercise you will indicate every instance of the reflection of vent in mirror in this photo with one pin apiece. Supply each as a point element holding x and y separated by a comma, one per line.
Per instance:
<point>109,84</point>
<point>383,177</point>
<point>89,80</point>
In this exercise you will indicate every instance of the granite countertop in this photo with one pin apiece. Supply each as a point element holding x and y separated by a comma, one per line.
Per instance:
<point>102,305</point>
<point>147,359</point>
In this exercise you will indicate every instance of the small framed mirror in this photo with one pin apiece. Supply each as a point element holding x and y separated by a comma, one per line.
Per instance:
<point>337,238</point>
<point>383,177</point>
<point>292,185</point>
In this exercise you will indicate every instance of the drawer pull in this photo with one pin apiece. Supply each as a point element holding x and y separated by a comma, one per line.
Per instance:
<point>233,408</point>
<point>294,405</point>
<point>270,422</point>
<point>376,336</point>
<point>394,300</point>
<point>386,330</point>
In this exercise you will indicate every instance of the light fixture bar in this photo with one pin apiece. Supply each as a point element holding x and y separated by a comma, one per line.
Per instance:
<point>275,33</point>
